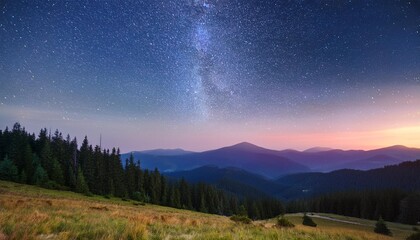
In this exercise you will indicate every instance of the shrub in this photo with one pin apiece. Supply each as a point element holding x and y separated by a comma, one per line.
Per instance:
<point>284,222</point>
<point>414,236</point>
<point>139,203</point>
<point>241,219</point>
<point>381,227</point>
<point>307,221</point>
<point>140,196</point>
<point>53,185</point>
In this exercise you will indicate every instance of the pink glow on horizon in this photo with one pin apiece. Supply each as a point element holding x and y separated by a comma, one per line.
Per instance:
<point>361,126</point>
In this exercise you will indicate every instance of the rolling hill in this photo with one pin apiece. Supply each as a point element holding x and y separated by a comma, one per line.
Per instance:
<point>404,176</point>
<point>246,184</point>
<point>30,212</point>
<point>234,180</point>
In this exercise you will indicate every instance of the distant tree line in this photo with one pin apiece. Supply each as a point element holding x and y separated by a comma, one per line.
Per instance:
<point>391,205</point>
<point>55,162</point>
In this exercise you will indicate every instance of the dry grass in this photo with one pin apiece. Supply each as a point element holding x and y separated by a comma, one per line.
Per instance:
<point>28,212</point>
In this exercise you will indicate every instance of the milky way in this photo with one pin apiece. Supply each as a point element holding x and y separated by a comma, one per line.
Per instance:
<point>213,89</point>
<point>203,64</point>
<point>269,72</point>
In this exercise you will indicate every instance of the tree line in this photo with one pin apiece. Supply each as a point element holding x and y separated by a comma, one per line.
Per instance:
<point>52,161</point>
<point>390,204</point>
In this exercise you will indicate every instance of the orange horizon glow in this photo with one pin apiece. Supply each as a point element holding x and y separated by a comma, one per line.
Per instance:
<point>359,127</point>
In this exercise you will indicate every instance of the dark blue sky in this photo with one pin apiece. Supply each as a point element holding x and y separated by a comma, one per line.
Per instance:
<point>211,70</point>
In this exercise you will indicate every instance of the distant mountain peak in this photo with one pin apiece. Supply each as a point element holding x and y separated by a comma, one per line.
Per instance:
<point>244,144</point>
<point>397,147</point>
<point>318,149</point>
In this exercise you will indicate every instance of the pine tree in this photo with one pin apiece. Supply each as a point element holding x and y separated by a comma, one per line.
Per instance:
<point>242,211</point>
<point>71,178</point>
<point>84,154</point>
<point>81,186</point>
<point>164,190</point>
<point>47,159</point>
<point>203,205</point>
<point>185,194</point>
<point>56,172</point>
<point>87,163</point>
<point>28,168</point>
<point>381,227</point>
<point>118,174</point>
<point>155,187</point>
<point>40,177</point>
<point>70,166</point>
<point>18,138</point>
<point>130,173</point>
<point>254,212</point>
<point>307,221</point>
<point>8,170</point>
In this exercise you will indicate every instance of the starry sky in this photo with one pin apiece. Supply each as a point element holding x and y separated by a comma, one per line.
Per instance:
<point>200,74</point>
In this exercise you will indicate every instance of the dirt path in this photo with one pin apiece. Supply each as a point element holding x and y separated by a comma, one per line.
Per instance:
<point>336,220</point>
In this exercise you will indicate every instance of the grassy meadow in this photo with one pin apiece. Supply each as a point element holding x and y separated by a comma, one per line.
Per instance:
<point>29,212</point>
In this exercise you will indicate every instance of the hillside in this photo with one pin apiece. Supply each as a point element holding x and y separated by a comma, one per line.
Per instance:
<point>231,179</point>
<point>404,176</point>
<point>29,212</point>
<point>243,183</point>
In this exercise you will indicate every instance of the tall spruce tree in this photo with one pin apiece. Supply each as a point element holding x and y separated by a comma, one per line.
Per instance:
<point>81,186</point>
<point>40,177</point>
<point>28,168</point>
<point>8,170</point>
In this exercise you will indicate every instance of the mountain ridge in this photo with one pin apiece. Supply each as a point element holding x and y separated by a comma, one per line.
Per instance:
<point>274,163</point>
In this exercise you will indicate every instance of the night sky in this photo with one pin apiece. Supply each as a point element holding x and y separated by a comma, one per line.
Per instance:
<point>199,74</point>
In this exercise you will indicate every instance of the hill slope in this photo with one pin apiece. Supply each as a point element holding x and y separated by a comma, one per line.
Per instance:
<point>404,176</point>
<point>30,212</point>
<point>231,179</point>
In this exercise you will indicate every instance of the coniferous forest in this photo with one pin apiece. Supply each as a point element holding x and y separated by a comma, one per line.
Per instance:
<point>57,162</point>
<point>392,205</point>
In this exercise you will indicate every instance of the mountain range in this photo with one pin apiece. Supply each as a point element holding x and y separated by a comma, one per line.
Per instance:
<point>248,170</point>
<point>404,176</point>
<point>273,163</point>
<point>234,180</point>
